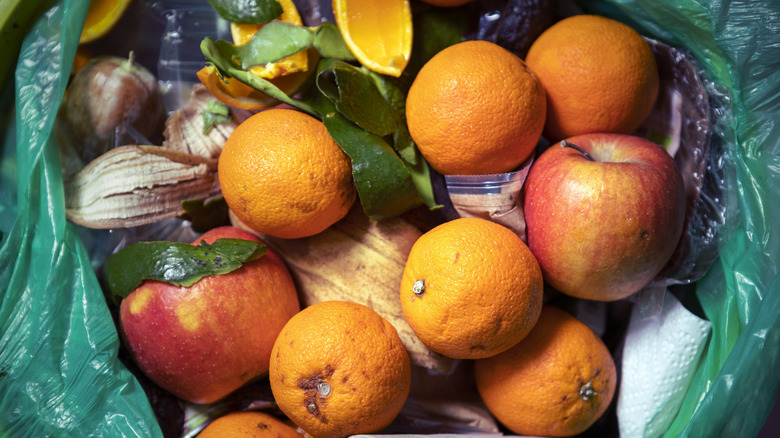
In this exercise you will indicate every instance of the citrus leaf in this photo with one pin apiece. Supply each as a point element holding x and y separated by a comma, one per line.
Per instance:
<point>391,89</point>
<point>247,11</point>
<point>178,264</point>
<point>274,41</point>
<point>394,93</point>
<point>434,30</point>
<point>215,113</point>
<point>329,42</point>
<point>420,172</point>
<point>226,68</point>
<point>206,215</point>
<point>355,95</point>
<point>387,185</point>
<point>383,183</point>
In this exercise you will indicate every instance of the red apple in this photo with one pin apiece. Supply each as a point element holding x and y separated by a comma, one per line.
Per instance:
<point>604,214</point>
<point>205,341</point>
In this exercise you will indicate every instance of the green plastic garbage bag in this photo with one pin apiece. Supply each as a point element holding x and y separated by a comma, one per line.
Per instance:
<point>738,44</point>
<point>59,372</point>
<point>59,375</point>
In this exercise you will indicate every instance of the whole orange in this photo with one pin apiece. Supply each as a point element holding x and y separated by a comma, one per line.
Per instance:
<point>338,369</point>
<point>204,341</point>
<point>248,424</point>
<point>471,288</point>
<point>283,175</point>
<point>556,382</point>
<point>474,108</point>
<point>600,75</point>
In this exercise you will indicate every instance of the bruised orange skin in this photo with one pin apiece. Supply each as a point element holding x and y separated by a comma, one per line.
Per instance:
<point>205,341</point>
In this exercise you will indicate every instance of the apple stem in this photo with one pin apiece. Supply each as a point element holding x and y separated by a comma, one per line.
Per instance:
<point>130,58</point>
<point>565,144</point>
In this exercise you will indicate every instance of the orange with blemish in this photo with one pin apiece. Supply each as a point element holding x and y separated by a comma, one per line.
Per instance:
<point>248,424</point>
<point>339,369</point>
<point>557,381</point>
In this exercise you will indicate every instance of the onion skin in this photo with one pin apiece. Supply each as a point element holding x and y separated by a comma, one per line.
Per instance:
<point>111,95</point>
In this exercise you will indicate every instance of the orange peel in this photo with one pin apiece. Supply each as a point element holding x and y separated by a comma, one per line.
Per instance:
<point>102,15</point>
<point>233,92</point>
<point>243,33</point>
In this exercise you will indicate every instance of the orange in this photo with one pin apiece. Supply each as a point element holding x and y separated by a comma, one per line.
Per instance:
<point>248,424</point>
<point>339,369</point>
<point>471,288</point>
<point>556,382</point>
<point>377,32</point>
<point>474,108</point>
<point>101,17</point>
<point>599,75</point>
<point>283,175</point>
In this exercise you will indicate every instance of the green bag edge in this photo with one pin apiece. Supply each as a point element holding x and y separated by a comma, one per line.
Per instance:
<point>735,386</point>
<point>59,370</point>
<point>740,295</point>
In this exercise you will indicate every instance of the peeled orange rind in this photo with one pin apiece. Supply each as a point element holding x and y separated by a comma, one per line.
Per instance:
<point>288,74</point>
<point>233,92</point>
<point>378,32</point>
<point>298,62</point>
<point>102,15</point>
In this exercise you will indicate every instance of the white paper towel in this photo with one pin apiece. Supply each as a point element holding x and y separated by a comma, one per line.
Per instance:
<point>659,360</point>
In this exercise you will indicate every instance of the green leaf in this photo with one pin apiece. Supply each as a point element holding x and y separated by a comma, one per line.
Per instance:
<point>329,42</point>
<point>206,215</point>
<point>355,95</point>
<point>216,112</point>
<point>395,95</point>
<point>361,110</point>
<point>434,30</point>
<point>391,89</point>
<point>178,264</point>
<point>247,11</point>
<point>274,41</point>
<point>225,67</point>
<point>384,185</point>
<point>421,177</point>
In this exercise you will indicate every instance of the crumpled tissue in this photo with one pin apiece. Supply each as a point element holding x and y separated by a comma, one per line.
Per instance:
<point>660,357</point>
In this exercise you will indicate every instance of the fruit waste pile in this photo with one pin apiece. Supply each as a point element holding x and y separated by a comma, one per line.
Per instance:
<point>319,281</point>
